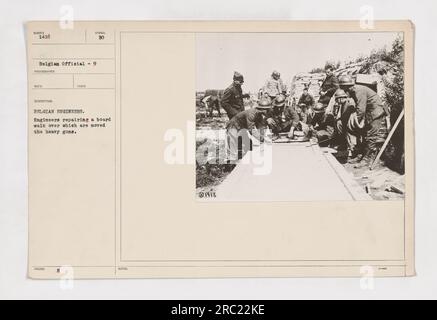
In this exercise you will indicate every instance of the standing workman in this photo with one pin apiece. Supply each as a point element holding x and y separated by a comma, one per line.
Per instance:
<point>282,119</point>
<point>329,85</point>
<point>371,111</point>
<point>232,100</point>
<point>274,86</point>
<point>244,127</point>
<point>305,105</point>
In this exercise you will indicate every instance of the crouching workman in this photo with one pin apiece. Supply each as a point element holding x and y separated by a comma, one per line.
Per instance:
<point>369,108</point>
<point>212,103</point>
<point>348,127</point>
<point>305,105</point>
<point>322,125</point>
<point>244,127</point>
<point>282,119</point>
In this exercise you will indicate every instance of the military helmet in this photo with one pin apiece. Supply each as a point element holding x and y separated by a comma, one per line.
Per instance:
<point>238,76</point>
<point>276,73</point>
<point>329,66</point>
<point>320,107</point>
<point>279,101</point>
<point>340,94</point>
<point>264,103</point>
<point>346,80</point>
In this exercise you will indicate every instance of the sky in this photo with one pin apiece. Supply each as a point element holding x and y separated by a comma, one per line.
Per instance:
<point>256,55</point>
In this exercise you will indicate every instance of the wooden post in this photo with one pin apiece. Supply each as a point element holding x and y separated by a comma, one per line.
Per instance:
<point>392,131</point>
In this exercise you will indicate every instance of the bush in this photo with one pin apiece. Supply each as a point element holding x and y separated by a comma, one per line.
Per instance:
<point>317,70</point>
<point>394,87</point>
<point>394,98</point>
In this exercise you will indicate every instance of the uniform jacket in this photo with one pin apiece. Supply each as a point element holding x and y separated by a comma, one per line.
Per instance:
<point>325,121</point>
<point>288,117</point>
<point>249,119</point>
<point>211,103</point>
<point>368,103</point>
<point>232,100</point>
<point>273,87</point>
<point>330,85</point>
<point>344,111</point>
<point>308,100</point>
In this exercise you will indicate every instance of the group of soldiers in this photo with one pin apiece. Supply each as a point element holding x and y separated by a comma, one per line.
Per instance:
<point>347,116</point>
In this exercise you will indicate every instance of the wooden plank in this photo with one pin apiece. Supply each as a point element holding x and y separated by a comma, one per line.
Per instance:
<point>299,172</point>
<point>357,192</point>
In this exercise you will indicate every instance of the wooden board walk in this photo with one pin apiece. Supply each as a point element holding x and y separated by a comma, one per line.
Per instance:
<point>299,172</point>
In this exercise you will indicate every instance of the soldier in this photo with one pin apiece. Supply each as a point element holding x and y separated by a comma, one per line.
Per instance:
<point>305,105</point>
<point>348,127</point>
<point>329,85</point>
<point>317,114</point>
<point>322,125</point>
<point>282,119</point>
<point>369,108</point>
<point>211,103</point>
<point>244,126</point>
<point>247,101</point>
<point>232,100</point>
<point>274,86</point>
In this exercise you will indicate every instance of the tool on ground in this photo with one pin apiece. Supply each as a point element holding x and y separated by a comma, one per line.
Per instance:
<point>392,131</point>
<point>328,150</point>
<point>299,136</point>
<point>395,189</point>
<point>318,142</point>
<point>288,140</point>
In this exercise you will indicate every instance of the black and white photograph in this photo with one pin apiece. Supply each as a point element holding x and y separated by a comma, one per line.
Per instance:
<point>300,116</point>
